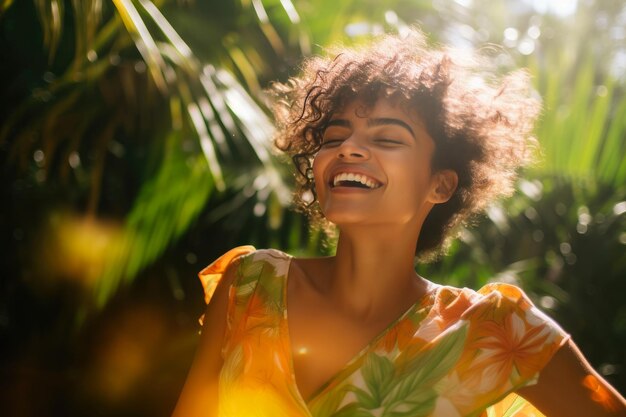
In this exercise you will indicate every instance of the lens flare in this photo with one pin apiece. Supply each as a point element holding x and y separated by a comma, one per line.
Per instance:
<point>600,394</point>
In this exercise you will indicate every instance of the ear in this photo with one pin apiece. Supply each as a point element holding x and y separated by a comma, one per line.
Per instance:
<point>445,184</point>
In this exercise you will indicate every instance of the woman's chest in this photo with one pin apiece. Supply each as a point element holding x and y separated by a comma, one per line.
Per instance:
<point>322,345</point>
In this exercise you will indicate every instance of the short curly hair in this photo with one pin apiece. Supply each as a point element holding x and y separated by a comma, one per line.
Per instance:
<point>481,122</point>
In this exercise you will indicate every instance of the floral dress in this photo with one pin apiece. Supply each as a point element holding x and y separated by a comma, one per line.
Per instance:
<point>455,352</point>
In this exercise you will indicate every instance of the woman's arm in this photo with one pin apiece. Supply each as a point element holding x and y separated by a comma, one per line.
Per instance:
<point>199,395</point>
<point>569,387</point>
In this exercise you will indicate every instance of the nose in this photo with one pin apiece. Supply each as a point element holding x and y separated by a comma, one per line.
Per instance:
<point>351,149</point>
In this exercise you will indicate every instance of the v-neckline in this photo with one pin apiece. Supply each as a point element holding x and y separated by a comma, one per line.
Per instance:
<point>432,287</point>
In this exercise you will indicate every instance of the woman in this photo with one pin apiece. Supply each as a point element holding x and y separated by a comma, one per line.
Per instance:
<point>396,144</point>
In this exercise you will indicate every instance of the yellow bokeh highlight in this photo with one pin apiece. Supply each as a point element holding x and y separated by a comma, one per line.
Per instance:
<point>76,247</point>
<point>126,353</point>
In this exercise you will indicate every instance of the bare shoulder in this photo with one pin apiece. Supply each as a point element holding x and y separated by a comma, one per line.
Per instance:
<point>310,273</point>
<point>569,386</point>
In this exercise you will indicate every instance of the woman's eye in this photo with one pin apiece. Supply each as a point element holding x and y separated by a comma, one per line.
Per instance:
<point>388,142</point>
<point>329,143</point>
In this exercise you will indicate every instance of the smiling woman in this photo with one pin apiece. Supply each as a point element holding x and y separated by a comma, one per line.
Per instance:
<point>399,143</point>
<point>481,124</point>
<point>389,147</point>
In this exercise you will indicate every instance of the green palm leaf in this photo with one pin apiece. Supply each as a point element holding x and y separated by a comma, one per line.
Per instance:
<point>187,99</point>
<point>146,45</point>
<point>582,133</point>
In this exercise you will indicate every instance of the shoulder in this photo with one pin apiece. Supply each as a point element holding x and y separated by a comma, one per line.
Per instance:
<point>494,302</point>
<point>507,339</point>
<point>264,262</point>
<point>272,256</point>
<point>502,317</point>
<point>488,293</point>
<point>501,292</point>
<point>495,294</point>
<point>222,270</point>
<point>240,265</point>
<point>500,301</point>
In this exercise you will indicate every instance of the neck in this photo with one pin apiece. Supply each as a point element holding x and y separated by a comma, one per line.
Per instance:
<point>373,270</point>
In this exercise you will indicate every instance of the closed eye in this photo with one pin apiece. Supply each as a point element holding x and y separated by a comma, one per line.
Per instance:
<point>330,143</point>
<point>388,142</point>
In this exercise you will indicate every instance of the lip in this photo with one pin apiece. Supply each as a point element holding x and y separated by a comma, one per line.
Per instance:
<point>349,170</point>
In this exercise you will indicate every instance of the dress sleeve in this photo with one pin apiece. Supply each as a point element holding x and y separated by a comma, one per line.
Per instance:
<point>509,342</point>
<point>212,274</point>
<point>511,332</point>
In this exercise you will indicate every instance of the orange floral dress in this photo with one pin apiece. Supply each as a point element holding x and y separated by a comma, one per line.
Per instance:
<point>455,352</point>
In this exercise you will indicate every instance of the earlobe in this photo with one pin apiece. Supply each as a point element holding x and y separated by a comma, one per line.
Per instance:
<point>446,183</point>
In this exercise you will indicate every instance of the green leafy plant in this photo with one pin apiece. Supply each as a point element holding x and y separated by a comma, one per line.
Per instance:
<point>131,82</point>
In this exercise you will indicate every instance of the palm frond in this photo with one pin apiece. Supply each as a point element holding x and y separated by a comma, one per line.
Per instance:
<point>166,205</point>
<point>612,164</point>
<point>144,41</point>
<point>216,108</point>
<point>187,57</point>
<point>581,131</point>
<point>88,14</point>
<point>103,97</point>
<point>51,13</point>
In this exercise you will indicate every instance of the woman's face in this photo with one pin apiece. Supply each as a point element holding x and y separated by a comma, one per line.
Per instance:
<point>374,167</point>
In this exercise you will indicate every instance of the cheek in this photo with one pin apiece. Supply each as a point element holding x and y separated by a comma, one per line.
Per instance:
<point>319,164</point>
<point>317,168</point>
<point>411,185</point>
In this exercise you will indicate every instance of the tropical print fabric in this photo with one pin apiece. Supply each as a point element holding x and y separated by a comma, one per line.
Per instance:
<point>455,352</point>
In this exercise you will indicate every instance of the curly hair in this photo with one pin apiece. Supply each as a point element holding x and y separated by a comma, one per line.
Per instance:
<point>481,123</point>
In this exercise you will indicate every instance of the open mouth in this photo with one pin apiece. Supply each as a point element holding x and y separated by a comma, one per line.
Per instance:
<point>345,179</point>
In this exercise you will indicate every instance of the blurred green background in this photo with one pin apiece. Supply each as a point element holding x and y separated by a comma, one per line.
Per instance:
<point>135,149</point>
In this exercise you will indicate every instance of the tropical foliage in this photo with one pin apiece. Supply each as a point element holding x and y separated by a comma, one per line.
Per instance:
<point>132,85</point>
<point>135,145</point>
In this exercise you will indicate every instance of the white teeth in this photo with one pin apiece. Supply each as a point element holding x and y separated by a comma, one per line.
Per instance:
<point>368,182</point>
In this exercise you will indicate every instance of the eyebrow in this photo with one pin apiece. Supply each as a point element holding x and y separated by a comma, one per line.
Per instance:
<point>338,122</point>
<point>373,122</point>
<point>390,121</point>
